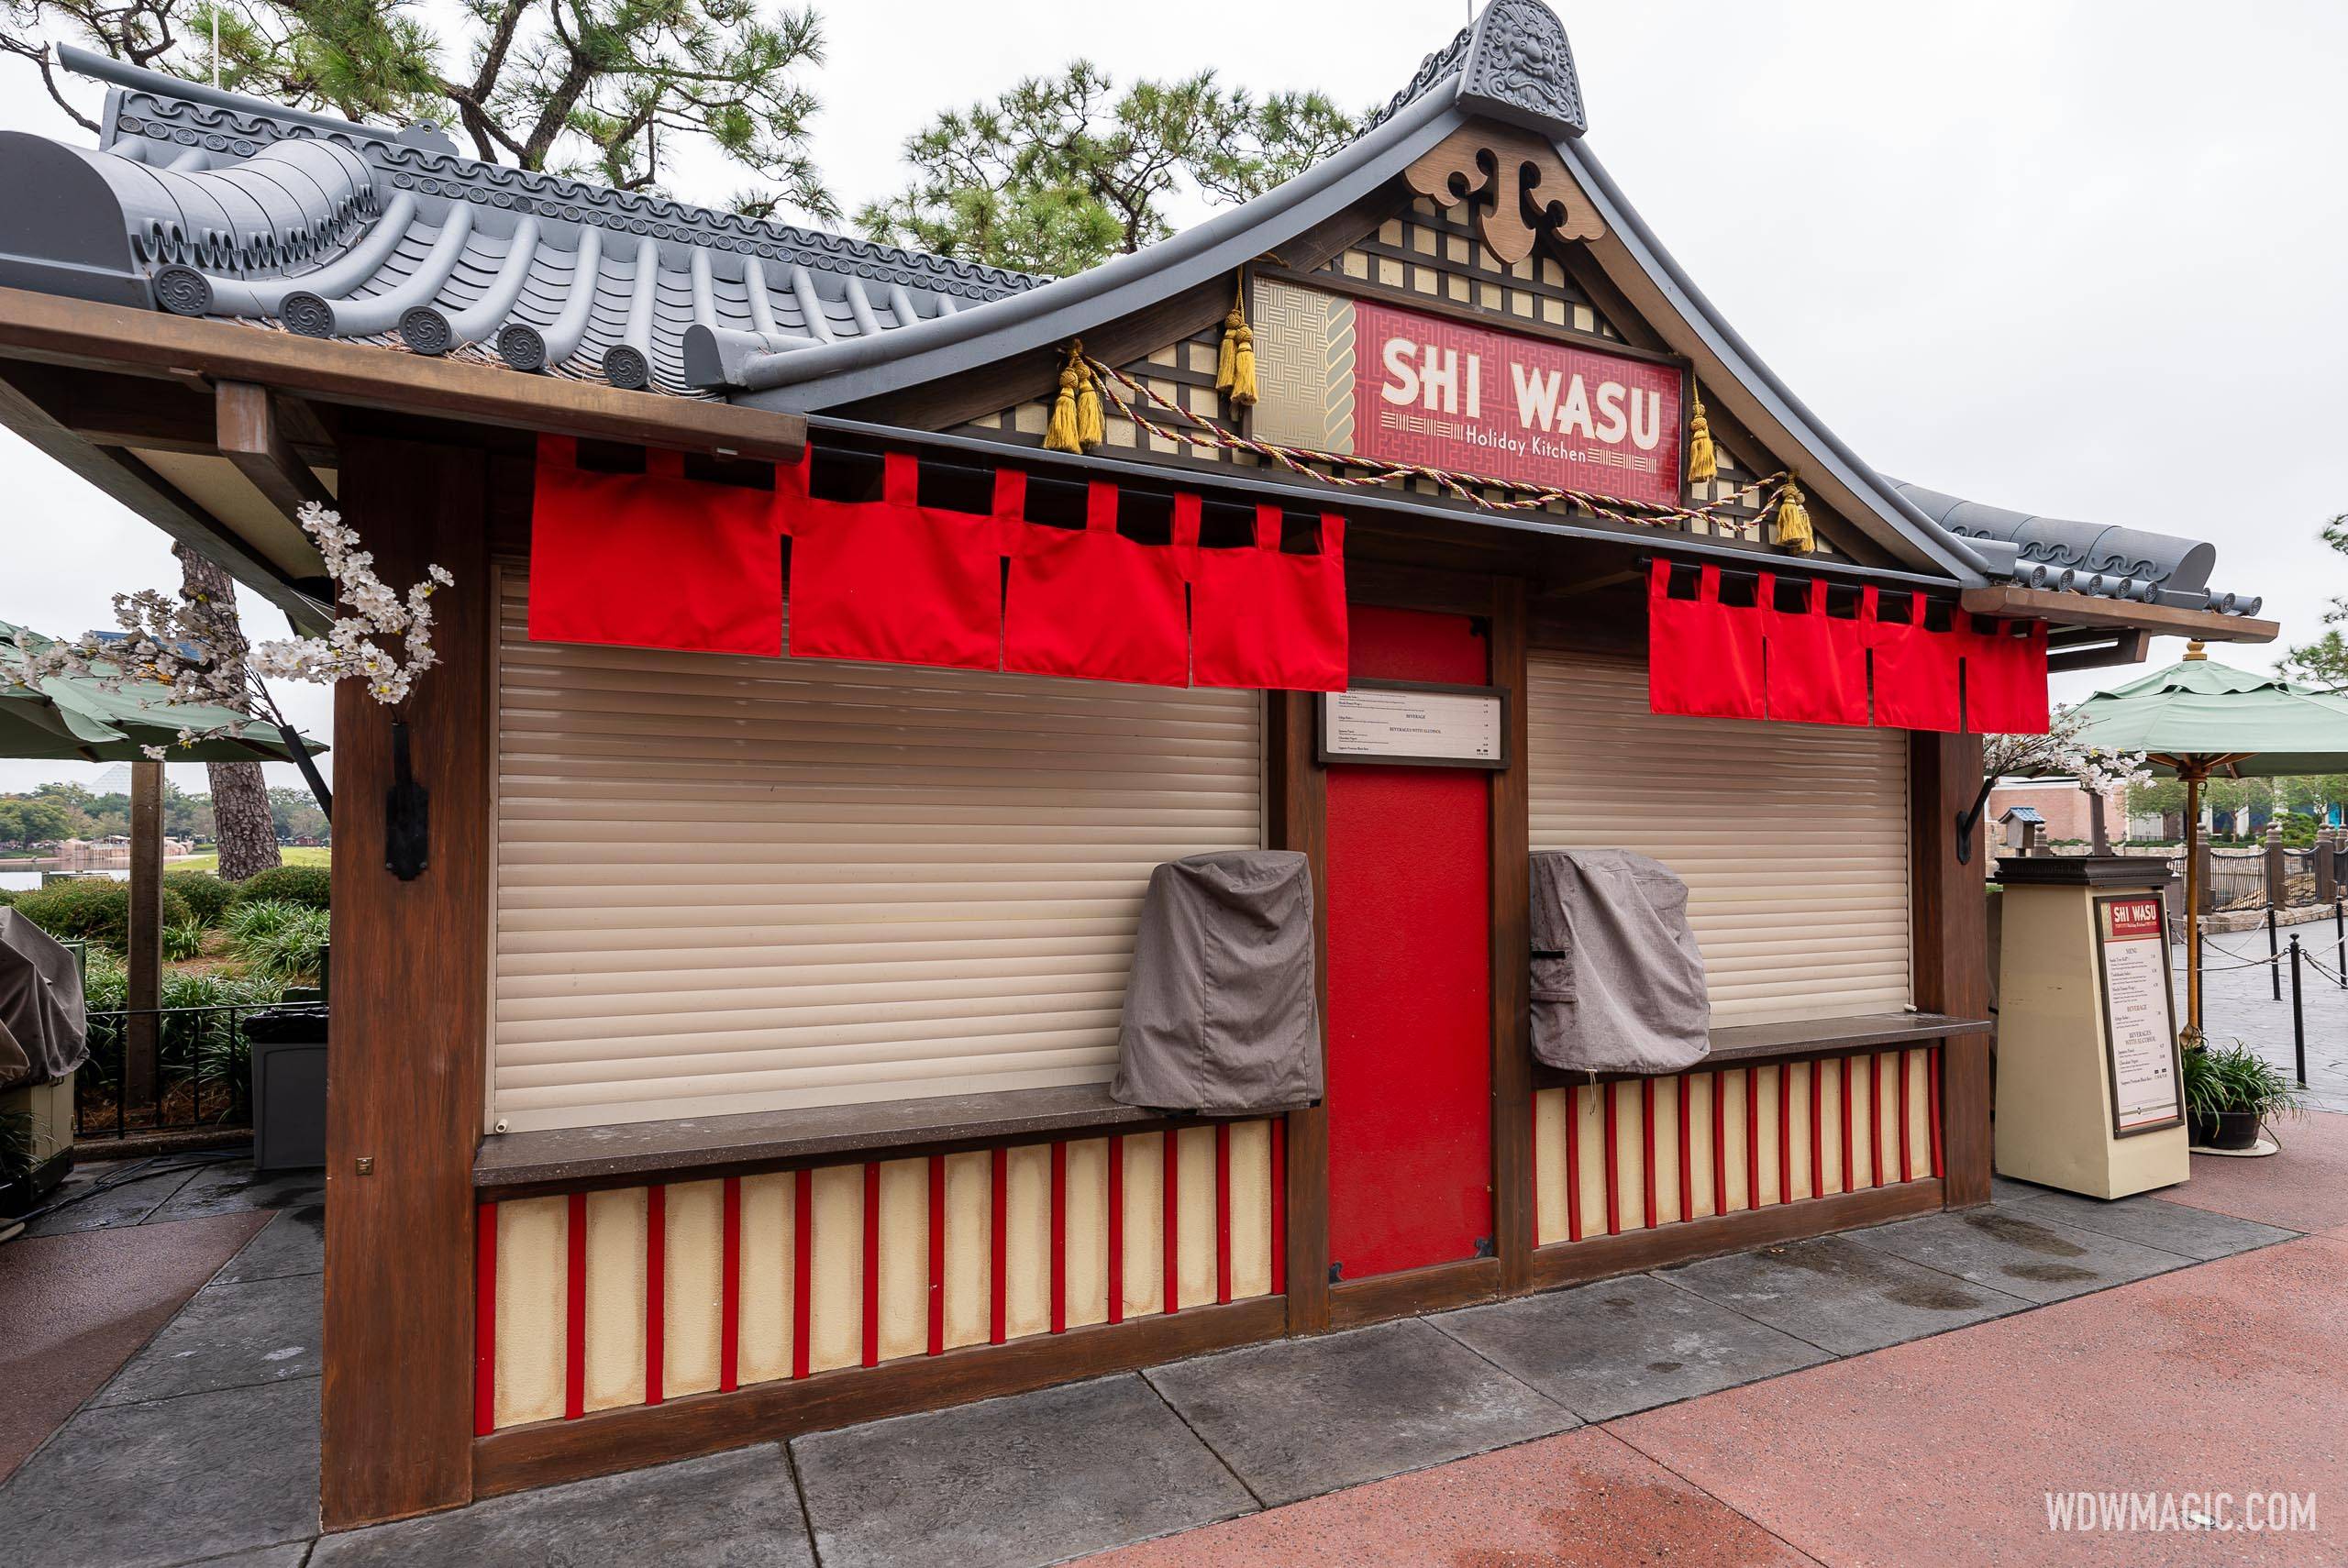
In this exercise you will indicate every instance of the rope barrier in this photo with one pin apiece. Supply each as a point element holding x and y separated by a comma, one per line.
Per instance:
<point>1525,497</point>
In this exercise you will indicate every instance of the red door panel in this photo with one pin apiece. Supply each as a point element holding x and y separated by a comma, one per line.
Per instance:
<point>1410,979</point>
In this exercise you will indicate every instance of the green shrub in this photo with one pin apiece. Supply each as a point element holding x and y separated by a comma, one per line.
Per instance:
<point>93,909</point>
<point>182,943</point>
<point>287,884</point>
<point>205,894</point>
<point>278,939</point>
<point>7,897</point>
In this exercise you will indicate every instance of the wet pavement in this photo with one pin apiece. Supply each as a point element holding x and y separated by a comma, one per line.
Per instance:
<point>1611,1422</point>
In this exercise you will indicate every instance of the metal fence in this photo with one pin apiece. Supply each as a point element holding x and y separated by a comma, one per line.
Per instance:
<point>168,1069</point>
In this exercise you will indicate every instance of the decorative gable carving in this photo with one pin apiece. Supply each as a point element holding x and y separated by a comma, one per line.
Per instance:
<point>1516,184</point>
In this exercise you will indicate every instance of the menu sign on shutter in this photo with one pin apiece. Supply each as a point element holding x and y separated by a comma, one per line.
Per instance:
<point>2139,1019</point>
<point>1415,723</point>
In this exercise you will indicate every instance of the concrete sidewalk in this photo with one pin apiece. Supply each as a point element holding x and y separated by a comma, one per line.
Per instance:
<point>1895,1395</point>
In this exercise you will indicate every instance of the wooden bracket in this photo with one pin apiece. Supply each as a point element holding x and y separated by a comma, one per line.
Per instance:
<point>253,438</point>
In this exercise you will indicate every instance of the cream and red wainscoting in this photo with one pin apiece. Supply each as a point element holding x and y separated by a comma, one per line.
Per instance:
<point>1637,1154</point>
<point>632,1296</point>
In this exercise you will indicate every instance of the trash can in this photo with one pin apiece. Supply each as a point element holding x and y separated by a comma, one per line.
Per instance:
<point>289,1082</point>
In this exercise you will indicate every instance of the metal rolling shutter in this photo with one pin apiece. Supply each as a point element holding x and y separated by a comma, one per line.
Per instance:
<point>1792,838</point>
<point>740,884</point>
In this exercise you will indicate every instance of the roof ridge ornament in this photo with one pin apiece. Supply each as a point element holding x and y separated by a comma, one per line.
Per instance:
<point>1519,70</point>
<point>1512,64</point>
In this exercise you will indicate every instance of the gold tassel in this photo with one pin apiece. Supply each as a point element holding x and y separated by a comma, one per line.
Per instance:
<point>1793,522</point>
<point>1235,364</point>
<point>1088,431</point>
<point>1059,435</point>
<point>1704,464</point>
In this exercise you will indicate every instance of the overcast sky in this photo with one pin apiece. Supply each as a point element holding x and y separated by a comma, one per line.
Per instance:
<point>2078,259</point>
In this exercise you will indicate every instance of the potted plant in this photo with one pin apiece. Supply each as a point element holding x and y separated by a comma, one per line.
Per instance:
<point>2230,1093</point>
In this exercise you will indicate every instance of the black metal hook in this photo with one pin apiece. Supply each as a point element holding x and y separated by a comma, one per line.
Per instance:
<point>407,813</point>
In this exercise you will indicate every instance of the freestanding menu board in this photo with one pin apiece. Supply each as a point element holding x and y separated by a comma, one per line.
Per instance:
<point>2089,1082</point>
<point>2139,1016</point>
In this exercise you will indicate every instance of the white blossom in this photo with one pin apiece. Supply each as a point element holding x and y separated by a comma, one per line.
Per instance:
<point>2062,753</point>
<point>192,646</point>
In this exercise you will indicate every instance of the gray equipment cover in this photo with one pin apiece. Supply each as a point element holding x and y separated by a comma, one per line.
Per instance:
<point>44,1032</point>
<point>1625,990</point>
<point>1219,1010</point>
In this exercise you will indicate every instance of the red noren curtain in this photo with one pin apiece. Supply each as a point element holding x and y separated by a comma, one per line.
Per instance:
<point>892,581</point>
<point>1263,617</point>
<point>1915,669</point>
<point>1703,656</point>
<point>1090,603</point>
<point>652,560</point>
<point>2005,678</point>
<point>1817,669</point>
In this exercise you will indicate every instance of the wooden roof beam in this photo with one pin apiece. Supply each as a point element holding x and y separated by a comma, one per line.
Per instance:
<point>2012,603</point>
<point>253,436</point>
<point>56,330</point>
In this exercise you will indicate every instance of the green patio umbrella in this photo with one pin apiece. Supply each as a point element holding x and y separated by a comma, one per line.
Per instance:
<point>72,718</point>
<point>2198,720</point>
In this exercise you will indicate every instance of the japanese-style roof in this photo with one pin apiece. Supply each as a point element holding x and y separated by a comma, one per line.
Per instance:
<point>210,204</point>
<point>2087,557</point>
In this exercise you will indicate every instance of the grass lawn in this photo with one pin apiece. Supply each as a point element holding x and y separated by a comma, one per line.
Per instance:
<point>316,855</point>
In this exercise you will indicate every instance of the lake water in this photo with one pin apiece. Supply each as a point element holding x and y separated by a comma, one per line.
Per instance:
<point>14,880</point>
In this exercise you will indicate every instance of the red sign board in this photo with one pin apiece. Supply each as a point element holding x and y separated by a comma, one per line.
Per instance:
<point>2135,918</point>
<point>1472,401</point>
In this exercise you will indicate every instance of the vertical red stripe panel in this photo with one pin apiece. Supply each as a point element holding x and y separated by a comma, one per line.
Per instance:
<point>656,1289</point>
<point>1906,1170</point>
<point>937,1254</point>
<point>1117,1228</point>
<point>1932,1102</point>
<point>802,1268</point>
<point>1223,1212</point>
<point>1720,1148</point>
<point>1059,1238</point>
<point>1681,1090</point>
<point>1850,1117</point>
<point>1173,1227</point>
<point>1573,1165</point>
<point>1817,1128</point>
<point>1785,1134</point>
<point>1751,1138</point>
<point>484,1318</point>
<point>871,1338</point>
<point>1614,1174</point>
<point>1874,1114</point>
<point>999,1234</point>
<point>574,1313</point>
<point>1646,1163</point>
<point>729,1304</point>
<point>1279,1205</point>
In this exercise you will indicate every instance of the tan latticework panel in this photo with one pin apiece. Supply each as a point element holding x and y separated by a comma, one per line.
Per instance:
<point>1304,367</point>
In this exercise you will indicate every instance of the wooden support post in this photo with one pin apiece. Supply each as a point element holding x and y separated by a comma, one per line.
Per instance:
<point>2327,867</point>
<point>2279,866</point>
<point>145,992</point>
<point>1951,942</point>
<point>1511,941</point>
<point>405,1067</point>
<point>1300,812</point>
<point>2204,892</point>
